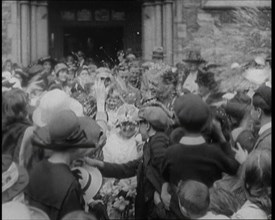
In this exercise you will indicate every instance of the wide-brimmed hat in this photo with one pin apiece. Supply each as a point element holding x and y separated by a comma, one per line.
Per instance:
<point>192,112</point>
<point>193,56</point>
<point>54,101</point>
<point>90,180</point>
<point>18,211</point>
<point>156,116</point>
<point>47,58</point>
<point>158,52</point>
<point>64,131</point>
<point>14,178</point>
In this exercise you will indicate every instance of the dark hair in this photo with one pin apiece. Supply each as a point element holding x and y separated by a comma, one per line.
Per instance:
<point>259,102</point>
<point>89,61</point>
<point>223,202</point>
<point>194,197</point>
<point>5,64</point>
<point>257,179</point>
<point>207,79</point>
<point>79,215</point>
<point>14,106</point>
<point>176,135</point>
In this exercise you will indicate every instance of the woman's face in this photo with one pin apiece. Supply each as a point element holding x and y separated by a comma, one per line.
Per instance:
<point>127,129</point>
<point>47,66</point>
<point>84,75</point>
<point>8,66</point>
<point>63,75</point>
<point>203,90</point>
<point>123,75</point>
<point>70,60</point>
<point>112,102</point>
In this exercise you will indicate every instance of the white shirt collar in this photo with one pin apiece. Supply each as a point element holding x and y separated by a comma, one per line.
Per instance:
<point>192,140</point>
<point>264,128</point>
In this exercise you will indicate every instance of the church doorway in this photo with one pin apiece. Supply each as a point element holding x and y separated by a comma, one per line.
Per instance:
<point>99,43</point>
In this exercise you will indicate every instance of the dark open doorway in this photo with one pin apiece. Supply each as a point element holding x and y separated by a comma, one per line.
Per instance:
<point>100,43</point>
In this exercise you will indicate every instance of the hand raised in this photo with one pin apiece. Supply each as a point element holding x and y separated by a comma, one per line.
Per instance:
<point>241,154</point>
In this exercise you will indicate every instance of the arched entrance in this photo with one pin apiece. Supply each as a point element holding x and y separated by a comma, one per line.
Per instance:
<point>99,28</point>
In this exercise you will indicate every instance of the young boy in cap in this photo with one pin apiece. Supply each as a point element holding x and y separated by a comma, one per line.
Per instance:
<point>193,158</point>
<point>153,124</point>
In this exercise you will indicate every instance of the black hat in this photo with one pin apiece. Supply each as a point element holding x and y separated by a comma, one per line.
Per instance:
<point>67,131</point>
<point>192,112</point>
<point>193,56</point>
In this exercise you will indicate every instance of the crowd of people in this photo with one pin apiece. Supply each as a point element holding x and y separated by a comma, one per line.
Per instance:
<point>138,140</point>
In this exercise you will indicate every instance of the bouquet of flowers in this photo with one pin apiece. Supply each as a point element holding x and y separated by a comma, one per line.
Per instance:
<point>119,195</point>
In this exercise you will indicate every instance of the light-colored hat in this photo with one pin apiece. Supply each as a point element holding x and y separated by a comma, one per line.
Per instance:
<point>18,211</point>
<point>52,102</point>
<point>90,180</point>
<point>60,66</point>
<point>257,76</point>
<point>14,178</point>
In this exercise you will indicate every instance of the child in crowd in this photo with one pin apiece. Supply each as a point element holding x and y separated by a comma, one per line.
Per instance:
<point>256,179</point>
<point>192,157</point>
<point>194,200</point>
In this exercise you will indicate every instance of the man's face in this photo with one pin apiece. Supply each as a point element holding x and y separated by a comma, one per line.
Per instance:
<point>255,113</point>
<point>193,67</point>
<point>143,128</point>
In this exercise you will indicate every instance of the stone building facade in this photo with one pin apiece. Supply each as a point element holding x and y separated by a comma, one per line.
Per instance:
<point>30,29</point>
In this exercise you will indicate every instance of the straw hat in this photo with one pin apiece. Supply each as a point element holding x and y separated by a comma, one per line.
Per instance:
<point>14,178</point>
<point>90,180</point>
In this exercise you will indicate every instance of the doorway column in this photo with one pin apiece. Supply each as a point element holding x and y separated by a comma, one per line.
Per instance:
<point>33,28</point>
<point>168,31</point>
<point>148,30</point>
<point>158,24</point>
<point>25,33</point>
<point>42,29</point>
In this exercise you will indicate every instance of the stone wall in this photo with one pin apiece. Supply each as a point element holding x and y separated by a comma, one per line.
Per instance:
<point>6,24</point>
<point>214,31</point>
